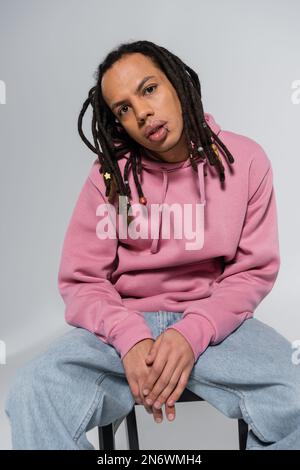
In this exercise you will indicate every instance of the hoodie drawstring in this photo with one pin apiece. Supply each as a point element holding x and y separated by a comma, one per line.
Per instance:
<point>200,171</point>
<point>164,192</point>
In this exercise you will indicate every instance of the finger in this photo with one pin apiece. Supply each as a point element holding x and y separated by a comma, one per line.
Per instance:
<point>170,409</point>
<point>155,372</point>
<point>148,408</point>
<point>176,394</point>
<point>165,382</point>
<point>154,348</point>
<point>142,401</point>
<point>157,415</point>
<point>150,359</point>
<point>170,379</point>
<point>135,390</point>
<point>151,356</point>
<point>170,412</point>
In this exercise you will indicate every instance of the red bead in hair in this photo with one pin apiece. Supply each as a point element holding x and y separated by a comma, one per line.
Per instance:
<point>143,200</point>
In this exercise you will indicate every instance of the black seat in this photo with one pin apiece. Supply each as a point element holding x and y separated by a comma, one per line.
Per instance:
<point>107,433</point>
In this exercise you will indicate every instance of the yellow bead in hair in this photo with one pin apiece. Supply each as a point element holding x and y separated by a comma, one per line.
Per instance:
<point>215,149</point>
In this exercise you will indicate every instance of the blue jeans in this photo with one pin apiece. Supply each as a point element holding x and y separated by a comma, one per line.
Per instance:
<point>79,382</point>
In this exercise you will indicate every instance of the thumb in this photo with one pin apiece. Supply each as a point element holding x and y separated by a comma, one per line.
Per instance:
<point>150,356</point>
<point>154,348</point>
<point>152,353</point>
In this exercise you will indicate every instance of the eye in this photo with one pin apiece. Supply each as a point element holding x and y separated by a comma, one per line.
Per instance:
<point>119,112</point>
<point>150,86</point>
<point>125,106</point>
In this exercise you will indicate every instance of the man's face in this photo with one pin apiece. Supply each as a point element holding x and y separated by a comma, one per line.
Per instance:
<point>157,99</point>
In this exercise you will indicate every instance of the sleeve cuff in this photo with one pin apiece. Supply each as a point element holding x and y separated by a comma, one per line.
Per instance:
<point>129,332</point>
<point>197,331</point>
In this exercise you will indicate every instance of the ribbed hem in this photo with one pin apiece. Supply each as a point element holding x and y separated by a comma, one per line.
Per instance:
<point>197,331</point>
<point>129,332</point>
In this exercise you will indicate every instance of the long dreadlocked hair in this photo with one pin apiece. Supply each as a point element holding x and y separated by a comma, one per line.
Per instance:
<point>202,142</point>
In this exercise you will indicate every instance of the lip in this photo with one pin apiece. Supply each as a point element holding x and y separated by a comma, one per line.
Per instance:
<point>151,127</point>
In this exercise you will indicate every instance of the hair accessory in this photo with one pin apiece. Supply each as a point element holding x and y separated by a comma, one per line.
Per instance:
<point>215,149</point>
<point>143,200</point>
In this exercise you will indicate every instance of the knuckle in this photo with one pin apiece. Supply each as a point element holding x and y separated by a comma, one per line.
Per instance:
<point>172,384</point>
<point>171,397</point>
<point>182,385</point>
<point>163,397</point>
<point>148,382</point>
<point>176,395</point>
<point>163,382</point>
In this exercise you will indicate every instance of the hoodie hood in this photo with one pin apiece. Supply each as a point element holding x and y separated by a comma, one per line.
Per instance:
<point>165,168</point>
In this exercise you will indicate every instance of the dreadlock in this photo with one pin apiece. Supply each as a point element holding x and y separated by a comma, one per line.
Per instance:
<point>202,142</point>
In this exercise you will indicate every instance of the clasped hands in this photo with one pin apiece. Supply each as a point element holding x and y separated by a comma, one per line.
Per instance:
<point>158,371</point>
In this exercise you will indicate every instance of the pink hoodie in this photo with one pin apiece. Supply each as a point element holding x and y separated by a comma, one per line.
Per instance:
<point>108,284</point>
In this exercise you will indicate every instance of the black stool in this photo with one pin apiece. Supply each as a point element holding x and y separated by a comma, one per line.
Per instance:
<point>107,433</point>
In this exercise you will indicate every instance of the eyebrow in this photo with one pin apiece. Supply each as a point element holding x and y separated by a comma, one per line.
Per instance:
<point>140,85</point>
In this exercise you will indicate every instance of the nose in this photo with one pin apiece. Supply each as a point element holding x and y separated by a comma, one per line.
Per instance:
<point>143,114</point>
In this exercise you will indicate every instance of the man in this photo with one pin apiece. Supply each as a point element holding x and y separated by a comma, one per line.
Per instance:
<point>156,314</point>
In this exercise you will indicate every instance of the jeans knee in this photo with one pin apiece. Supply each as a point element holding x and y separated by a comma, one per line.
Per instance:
<point>24,388</point>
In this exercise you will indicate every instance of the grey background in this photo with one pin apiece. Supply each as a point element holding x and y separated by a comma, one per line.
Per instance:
<point>246,55</point>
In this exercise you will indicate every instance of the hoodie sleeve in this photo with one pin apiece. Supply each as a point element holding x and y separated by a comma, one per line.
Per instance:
<point>91,301</point>
<point>246,279</point>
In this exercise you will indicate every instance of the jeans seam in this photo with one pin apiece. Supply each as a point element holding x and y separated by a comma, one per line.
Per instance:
<point>90,410</point>
<point>161,325</point>
<point>172,315</point>
<point>242,405</point>
<point>165,319</point>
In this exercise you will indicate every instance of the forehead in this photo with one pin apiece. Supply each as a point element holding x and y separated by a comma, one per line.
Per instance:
<point>126,74</point>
